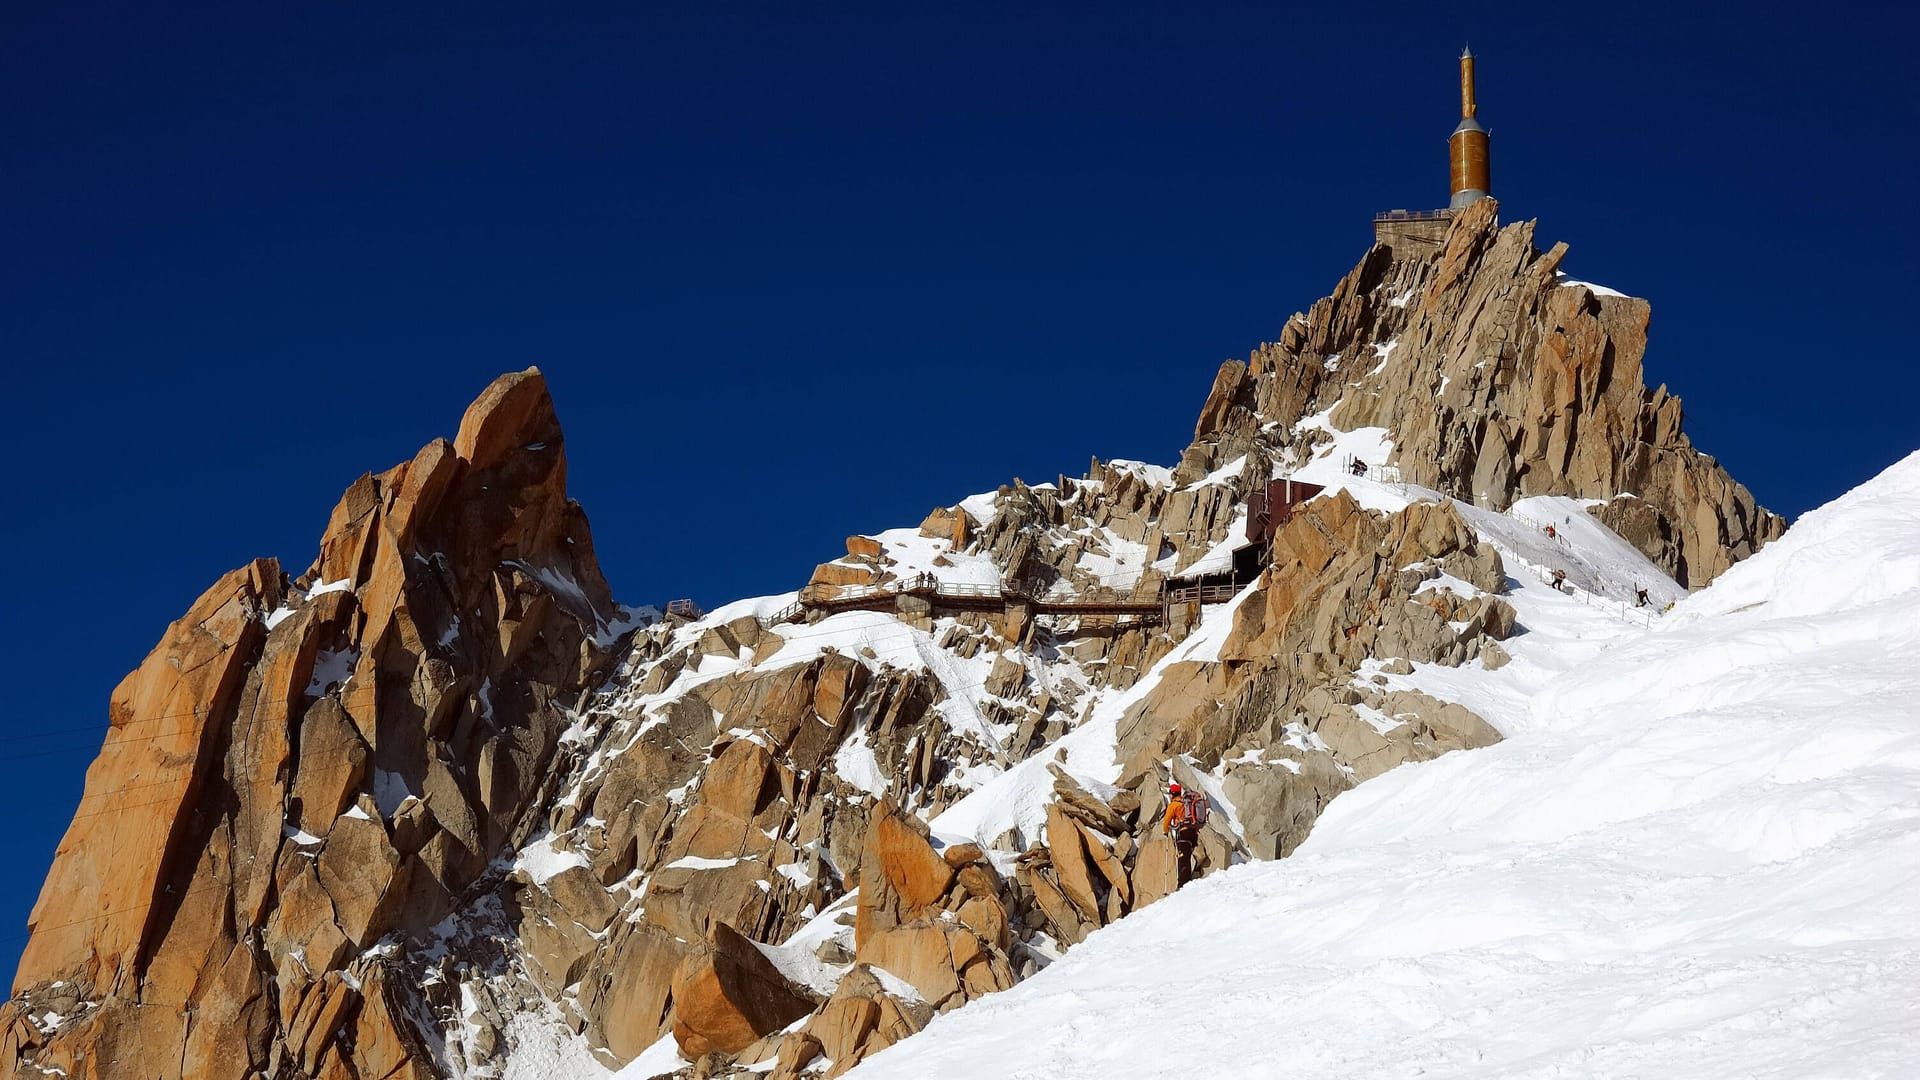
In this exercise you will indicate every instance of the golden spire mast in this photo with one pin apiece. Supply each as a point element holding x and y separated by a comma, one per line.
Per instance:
<point>1467,149</point>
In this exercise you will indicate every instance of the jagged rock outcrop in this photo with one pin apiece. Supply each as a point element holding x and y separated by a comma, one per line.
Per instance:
<point>937,921</point>
<point>304,766</point>
<point>1499,379</point>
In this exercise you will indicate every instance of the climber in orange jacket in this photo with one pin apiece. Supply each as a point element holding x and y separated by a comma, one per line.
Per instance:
<point>1186,814</point>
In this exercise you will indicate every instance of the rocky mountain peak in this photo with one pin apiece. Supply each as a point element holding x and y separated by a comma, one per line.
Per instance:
<point>1497,378</point>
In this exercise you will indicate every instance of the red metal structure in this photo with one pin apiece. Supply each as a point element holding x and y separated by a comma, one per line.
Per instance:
<point>1268,510</point>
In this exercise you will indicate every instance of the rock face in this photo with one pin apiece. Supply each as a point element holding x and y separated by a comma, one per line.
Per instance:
<point>436,798</point>
<point>1499,379</point>
<point>1280,712</point>
<point>321,762</point>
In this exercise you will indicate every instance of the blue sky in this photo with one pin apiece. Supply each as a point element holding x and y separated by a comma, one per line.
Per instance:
<point>798,274</point>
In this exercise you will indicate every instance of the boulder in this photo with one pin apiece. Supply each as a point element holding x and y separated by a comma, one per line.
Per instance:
<point>960,855</point>
<point>949,523</point>
<point>1067,848</point>
<point>1156,869</point>
<point>1076,801</point>
<point>1277,804</point>
<point>922,954</point>
<point>728,995</point>
<point>1068,925</point>
<point>835,574</point>
<point>902,877</point>
<point>862,1018</point>
<point>797,1051</point>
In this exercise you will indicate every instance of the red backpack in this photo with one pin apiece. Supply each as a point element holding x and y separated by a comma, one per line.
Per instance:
<point>1193,809</point>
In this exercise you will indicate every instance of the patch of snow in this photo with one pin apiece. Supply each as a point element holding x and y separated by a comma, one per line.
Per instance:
<point>391,792</point>
<point>700,862</point>
<point>333,667</point>
<point>1445,582</point>
<point>1156,475</point>
<point>854,762</point>
<point>1380,722</point>
<point>1595,558</point>
<point>1203,644</point>
<point>1370,445</point>
<point>798,957</point>
<point>1834,558</point>
<point>661,1058</point>
<point>847,632</point>
<point>540,1046</point>
<point>1219,557</point>
<point>1597,290</point>
<point>1223,474</point>
<point>540,861</point>
<point>982,507</point>
<point>1385,353</point>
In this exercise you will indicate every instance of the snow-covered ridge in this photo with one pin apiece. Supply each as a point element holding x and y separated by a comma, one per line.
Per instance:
<point>1697,854</point>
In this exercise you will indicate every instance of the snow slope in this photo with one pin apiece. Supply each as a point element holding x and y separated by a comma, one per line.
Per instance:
<point>1696,855</point>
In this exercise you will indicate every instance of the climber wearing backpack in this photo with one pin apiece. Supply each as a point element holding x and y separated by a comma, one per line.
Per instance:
<point>1186,814</point>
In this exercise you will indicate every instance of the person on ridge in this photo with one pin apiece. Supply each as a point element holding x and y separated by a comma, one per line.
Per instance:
<point>1560,580</point>
<point>1186,814</point>
<point>1640,596</point>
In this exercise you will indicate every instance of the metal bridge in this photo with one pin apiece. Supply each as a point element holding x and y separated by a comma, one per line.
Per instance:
<point>1037,598</point>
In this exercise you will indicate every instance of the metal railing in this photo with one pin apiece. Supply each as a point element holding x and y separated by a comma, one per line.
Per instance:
<point>1639,616</point>
<point>1413,215</point>
<point>963,589</point>
<point>1353,466</point>
<point>821,595</point>
<point>1606,588</point>
<point>1205,594</point>
<point>791,613</point>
